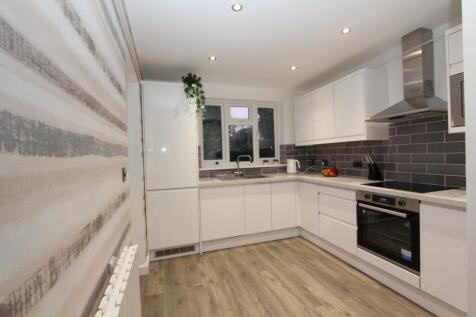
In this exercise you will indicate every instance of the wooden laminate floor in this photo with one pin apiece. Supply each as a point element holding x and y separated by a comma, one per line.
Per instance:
<point>288,277</point>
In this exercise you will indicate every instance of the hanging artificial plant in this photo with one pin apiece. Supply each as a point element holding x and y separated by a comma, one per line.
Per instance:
<point>194,90</point>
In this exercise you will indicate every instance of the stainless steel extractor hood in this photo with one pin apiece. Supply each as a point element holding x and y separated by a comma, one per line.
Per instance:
<point>418,88</point>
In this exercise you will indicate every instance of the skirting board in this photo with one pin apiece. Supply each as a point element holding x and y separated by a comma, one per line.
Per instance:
<point>417,296</point>
<point>144,268</point>
<point>249,239</point>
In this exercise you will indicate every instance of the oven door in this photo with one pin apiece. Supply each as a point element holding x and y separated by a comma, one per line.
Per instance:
<point>393,234</point>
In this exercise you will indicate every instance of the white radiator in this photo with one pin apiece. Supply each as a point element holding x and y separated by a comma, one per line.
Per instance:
<point>122,295</point>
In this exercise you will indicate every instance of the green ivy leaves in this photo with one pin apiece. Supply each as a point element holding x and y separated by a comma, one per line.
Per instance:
<point>193,89</point>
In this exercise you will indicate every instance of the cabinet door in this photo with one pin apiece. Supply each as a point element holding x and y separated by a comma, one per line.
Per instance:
<point>308,207</point>
<point>323,113</point>
<point>283,205</point>
<point>303,119</point>
<point>349,106</point>
<point>338,233</point>
<point>443,252</point>
<point>223,212</point>
<point>455,47</point>
<point>170,130</point>
<point>257,208</point>
<point>172,218</point>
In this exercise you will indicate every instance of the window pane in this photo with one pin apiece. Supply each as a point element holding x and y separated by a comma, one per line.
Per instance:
<point>241,141</point>
<point>212,133</point>
<point>267,147</point>
<point>239,112</point>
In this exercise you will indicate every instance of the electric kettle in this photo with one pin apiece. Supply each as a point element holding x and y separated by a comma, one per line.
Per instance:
<point>291,169</point>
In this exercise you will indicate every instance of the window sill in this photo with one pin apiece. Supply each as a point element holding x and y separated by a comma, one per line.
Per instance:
<point>233,166</point>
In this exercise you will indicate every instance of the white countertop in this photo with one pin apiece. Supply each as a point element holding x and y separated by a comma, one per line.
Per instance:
<point>451,198</point>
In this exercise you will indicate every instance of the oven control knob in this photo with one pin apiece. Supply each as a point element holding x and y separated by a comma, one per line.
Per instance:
<point>367,196</point>
<point>402,203</point>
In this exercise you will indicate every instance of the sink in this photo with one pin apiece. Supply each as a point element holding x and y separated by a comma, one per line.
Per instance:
<point>231,177</point>
<point>253,176</point>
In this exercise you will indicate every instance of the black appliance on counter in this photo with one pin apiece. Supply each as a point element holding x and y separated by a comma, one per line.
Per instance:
<point>389,227</point>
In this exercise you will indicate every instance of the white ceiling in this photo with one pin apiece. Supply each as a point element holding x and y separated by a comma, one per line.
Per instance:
<point>258,45</point>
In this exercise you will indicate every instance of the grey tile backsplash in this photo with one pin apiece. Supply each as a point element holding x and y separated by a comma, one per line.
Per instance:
<point>418,150</point>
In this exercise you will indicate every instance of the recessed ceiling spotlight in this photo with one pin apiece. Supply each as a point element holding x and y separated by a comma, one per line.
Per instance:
<point>237,7</point>
<point>212,58</point>
<point>293,67</point>
<point>345,31</point>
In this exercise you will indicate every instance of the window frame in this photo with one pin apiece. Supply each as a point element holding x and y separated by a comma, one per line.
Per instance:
<point>253,106</point>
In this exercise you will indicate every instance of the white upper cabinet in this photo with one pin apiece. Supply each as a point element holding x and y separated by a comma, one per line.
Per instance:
<point>337,111</point>
<point>170,133</point>
<point>454,38</point>
<point>303,119</point>
<point>349,106</point>
<point>455,79</point>
<point>323,113</point>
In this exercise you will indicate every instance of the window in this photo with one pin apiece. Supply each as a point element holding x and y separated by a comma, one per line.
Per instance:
<point>230,129</point>
<point>241,141</point>
<point>212,134</point>
<point>267,148</point>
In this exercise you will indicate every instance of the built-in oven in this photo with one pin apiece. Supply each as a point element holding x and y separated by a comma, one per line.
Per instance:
<point>457,100</point>
<point>389,227</point>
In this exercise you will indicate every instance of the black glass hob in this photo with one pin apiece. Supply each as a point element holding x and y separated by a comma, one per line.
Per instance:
<point>410,187</point>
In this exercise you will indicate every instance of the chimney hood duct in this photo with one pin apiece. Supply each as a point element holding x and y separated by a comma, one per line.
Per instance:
<point>418,89</point>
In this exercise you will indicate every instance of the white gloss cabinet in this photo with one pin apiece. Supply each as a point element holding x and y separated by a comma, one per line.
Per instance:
<point>257,208</point>
<point>337,111</point>
<point>307,205</point>
<point>303,119</point>
<point>172,218</point>
<point>283,204</point>
<point>443,254</point>
<point>323,112</point>
<point>222,212</point>
<point>349,106</point>
<point>170,137</point>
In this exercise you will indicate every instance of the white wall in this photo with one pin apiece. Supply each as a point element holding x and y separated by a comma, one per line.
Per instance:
<point>285,97</point>
<point>469,52</point>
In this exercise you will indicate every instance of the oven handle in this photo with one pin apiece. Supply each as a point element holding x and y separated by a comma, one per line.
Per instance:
<point>384,210</point>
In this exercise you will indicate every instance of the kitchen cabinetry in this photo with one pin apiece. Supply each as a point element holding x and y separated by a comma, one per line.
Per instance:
<point>283,204</point>
<point>172,218</point>
<point>303,119</point>
<point>222,212</point>
<point>323,113</point>
<point>337,112</point>
<point>443,254</point>
<point>170,137</point>
<point>307,204</point>
<point>257,208</point>
<point>338,217</point>
<point>454,66</point>
<point>349,106</point>
<point>171,166</point>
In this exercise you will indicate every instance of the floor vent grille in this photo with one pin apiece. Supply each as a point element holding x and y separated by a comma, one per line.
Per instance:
<point>173,251</point>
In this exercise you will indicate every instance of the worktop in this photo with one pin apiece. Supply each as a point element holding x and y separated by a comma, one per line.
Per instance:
<point>452,197</point>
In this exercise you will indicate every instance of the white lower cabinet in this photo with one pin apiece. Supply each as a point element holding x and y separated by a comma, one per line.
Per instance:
<point>307,205</point>
<point>222,212</point>
<point>338,233</point>
<point>172,217</point>
<point>443,254</point>
<point>283,204</point>
<point>257,208</point>
<point>339,208</point>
